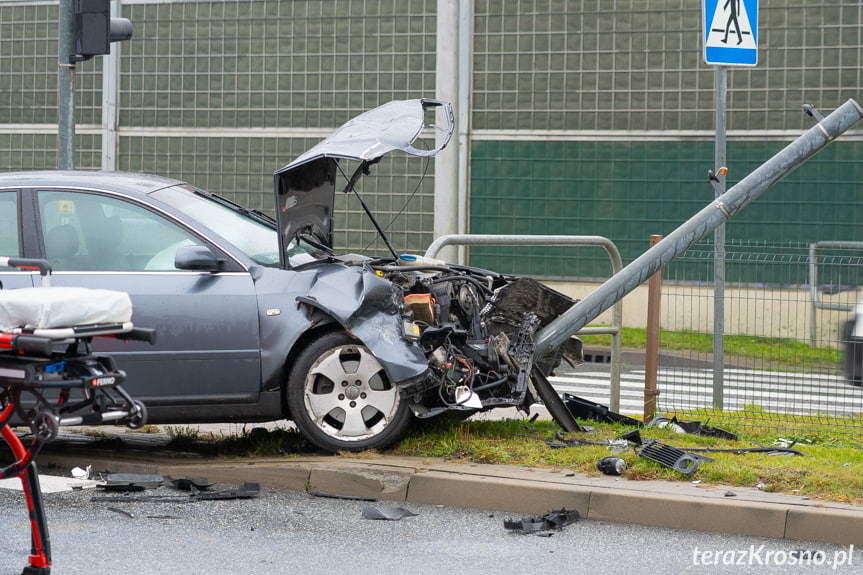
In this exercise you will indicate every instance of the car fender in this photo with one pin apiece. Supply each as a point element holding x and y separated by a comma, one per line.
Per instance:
<point>365,304</point>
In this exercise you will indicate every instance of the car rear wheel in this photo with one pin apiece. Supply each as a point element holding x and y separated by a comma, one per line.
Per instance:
<point>342,400</point>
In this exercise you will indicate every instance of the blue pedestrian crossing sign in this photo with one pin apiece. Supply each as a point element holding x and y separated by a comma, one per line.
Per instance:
<point>731,32</point>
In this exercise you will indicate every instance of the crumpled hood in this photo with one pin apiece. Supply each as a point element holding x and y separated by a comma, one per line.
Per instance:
<point>306,187</point>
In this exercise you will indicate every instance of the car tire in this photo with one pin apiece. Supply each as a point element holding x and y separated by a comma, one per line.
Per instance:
<point>342,400</point>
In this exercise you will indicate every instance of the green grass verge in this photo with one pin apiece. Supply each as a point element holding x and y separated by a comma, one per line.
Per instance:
<point>832,469</point>
<point>771,353</point>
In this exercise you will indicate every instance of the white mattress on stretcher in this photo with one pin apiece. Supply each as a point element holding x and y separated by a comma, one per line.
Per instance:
<point>51,307</point>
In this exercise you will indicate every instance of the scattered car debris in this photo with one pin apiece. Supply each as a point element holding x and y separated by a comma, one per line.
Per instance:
<point>662,422</point>
<point>387,513</point>
<point>339,496</point>
<point>730,494</point>
<point>553,520</point>
<point>82,473</point>
<point>633,436</point>
<point>677,459</point>
<point>742,450</point>
<point>611,465</point>
<point>130,482</point>
<point>187,483</point>
<point>245,491</point>
<point>128,514</point>
<point>683,461</point>
<point>585,409</point>
<point>783,442</point>
<point>697,428</point>
<point>560,440</point>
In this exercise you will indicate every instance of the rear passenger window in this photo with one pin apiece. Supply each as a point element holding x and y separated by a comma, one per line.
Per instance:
<point>9,245</point>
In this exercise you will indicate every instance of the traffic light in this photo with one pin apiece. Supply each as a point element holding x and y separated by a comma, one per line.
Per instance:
<point>95,29</point>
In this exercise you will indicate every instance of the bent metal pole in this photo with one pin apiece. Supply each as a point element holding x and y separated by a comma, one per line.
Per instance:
<point>698,226</point>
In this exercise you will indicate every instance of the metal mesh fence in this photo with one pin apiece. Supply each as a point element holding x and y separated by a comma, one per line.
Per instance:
<point>637,65</point>
<point>223,93</point>
<point>784,355</point>
<point>247,86</point>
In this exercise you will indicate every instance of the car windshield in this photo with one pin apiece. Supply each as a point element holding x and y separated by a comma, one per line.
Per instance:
<point>249,233</point>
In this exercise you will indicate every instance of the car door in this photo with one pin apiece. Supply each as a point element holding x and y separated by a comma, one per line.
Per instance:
<point>10,242</point>
<point>208,349</point>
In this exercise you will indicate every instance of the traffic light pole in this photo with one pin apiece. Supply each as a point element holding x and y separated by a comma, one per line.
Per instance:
<point>65,87</point>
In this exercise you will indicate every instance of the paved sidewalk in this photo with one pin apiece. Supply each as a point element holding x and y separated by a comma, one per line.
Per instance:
<point>530,491</point>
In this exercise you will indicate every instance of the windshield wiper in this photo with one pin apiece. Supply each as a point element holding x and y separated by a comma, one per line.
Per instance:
<point>257,215</point>
<point>302,236</point>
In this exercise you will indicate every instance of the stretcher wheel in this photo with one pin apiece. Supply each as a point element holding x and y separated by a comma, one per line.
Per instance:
<point>138,417</point>
<point>45,426</point>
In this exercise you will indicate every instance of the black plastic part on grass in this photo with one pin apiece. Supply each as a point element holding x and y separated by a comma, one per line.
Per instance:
<point>611,465</point>
<point>585,409</point>
<point>672,457</point>
<point>705,430</point>
<point>633,436</point>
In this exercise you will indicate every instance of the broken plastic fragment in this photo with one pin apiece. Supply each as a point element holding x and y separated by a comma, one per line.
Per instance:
<point>551,520</point>
<point>340,496</point>
<point>387,513</point>
<point>186,483</point>
<point>677,459</point>
<point>131,482</point>
<point>611,465</point>
<point>79,473</point>
<point>585,409</point>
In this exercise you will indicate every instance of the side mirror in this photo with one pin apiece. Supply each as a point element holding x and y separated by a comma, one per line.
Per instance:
<point>198,258</point>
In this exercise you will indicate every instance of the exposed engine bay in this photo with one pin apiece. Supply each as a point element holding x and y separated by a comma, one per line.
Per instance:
<point>476,329</point>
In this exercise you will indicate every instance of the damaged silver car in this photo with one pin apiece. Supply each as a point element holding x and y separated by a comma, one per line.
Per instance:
<point>260,319</point>
<point>418,336</point>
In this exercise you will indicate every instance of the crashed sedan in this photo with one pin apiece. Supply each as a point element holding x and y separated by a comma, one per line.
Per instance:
<point>260,319</point>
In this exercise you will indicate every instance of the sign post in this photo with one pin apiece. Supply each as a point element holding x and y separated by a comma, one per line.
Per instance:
<point>730,35</point>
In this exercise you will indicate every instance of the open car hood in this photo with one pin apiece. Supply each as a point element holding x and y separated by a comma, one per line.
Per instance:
<point>305,188</point>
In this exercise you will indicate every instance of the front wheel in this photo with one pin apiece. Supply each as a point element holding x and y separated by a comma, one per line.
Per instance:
<point>342,400</point>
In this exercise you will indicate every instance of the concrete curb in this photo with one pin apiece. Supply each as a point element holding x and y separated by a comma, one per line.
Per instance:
<point>680,505</point>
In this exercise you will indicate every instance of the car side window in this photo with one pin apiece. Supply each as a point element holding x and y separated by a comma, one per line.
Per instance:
<point>9,244</point>
<point>90,232</point>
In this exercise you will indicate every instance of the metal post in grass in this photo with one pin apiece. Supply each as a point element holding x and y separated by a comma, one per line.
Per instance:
<point>719,245</point>
<point>651,357</point>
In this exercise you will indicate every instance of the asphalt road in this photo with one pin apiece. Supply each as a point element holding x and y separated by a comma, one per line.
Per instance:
<point>294,532</point>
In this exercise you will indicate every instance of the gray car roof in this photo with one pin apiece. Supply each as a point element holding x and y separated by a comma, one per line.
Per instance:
<point>126,182</point>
